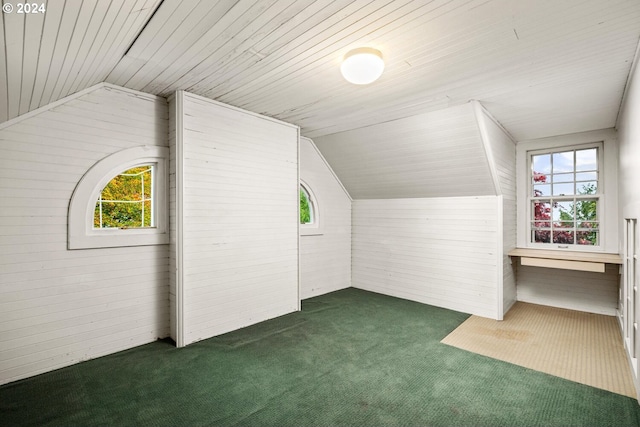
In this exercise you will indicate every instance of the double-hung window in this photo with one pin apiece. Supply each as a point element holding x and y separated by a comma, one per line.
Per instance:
<point>565,197</point>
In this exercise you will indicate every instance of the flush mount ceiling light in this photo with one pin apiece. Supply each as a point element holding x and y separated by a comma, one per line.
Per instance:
<point>362,66</point>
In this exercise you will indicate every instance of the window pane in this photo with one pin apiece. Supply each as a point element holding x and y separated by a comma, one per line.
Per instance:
<point>125,202</point>
<point>541,164</point>
<point>563,177</point>
<point>541,210</point>
<point>587,160</point>
<point>541,190</point>
<point>563,237</point>
<point>563,211</point>
<point>590,187</point>
<point>587,176</point>
<point>586,210</point>
<point>587,237</point>
<point>563,189</point>
<point>541,236</point>
<point>563,162</point>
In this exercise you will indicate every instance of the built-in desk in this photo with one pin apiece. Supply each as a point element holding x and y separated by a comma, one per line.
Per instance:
<point>566,260</point>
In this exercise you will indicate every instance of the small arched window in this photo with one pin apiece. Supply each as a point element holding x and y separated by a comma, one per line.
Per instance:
<point>127,200</point>
<point>309,212</point>
<point>307,208</point>
<point>121,201</point>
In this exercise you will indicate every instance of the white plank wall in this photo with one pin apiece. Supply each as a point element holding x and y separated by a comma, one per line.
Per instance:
<point>574,290</point>
<point>503,159</point>
<point>325,258</point>
<point>240,207</point>
<point>438,251</point>
<point>629,173</point>
<point>59,307</point>
<point>173,206</point>
<point>437,154</point>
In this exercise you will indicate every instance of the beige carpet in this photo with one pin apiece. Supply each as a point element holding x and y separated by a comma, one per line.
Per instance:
<point>582,347</point>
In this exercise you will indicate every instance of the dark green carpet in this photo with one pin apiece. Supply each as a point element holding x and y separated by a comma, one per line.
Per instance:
<point>349,358</point>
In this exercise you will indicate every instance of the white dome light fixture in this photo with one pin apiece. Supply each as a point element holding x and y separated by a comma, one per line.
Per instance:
<point>362,66</point>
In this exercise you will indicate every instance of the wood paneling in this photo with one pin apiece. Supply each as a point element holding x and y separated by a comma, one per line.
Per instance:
<point>542,68</point>
<point>68,48</point>
<point>438,251</point>
<point>502,151</point>
<point>628,137</point>
<point>438,154</point>
<point>239,186</point>
<point>57,306</point>
<point>325,254</point>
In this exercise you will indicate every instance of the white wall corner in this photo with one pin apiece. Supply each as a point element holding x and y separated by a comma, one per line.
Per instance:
<point>486,143</point>
<point>315,147</point>
<point>179,170</point>
<point>500,258</point>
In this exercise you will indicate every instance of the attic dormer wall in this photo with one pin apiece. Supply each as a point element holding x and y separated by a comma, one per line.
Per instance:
<point>501,154</point>
<point>427,215</point>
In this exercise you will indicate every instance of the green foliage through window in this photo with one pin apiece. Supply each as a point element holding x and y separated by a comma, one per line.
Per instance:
<point>305,207</point>
<point>126,201</point>
<point>565,197</point>
<point>583,214</point>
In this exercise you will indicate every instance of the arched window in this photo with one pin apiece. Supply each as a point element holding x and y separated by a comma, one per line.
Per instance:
<point>121,201</point>
<point>127,200</point>
<point>309,212</point>
<point>307,208</point>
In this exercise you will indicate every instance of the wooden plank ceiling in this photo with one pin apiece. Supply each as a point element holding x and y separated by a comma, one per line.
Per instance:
<point>541,67</point>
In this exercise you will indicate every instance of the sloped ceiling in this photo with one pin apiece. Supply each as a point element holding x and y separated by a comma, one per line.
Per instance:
<point>435,154</point>
<point>541,67</point>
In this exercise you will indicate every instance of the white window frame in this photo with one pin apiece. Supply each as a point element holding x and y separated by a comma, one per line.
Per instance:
<point>314,227</point>
<point>82,234</point>
<point>599,196</point>
<point>607,183</point>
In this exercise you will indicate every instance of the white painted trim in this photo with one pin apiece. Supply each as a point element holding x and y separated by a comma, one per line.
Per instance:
<point>495,121</point>
<point>486,144</point>
<point>299,227</point>
<point>627,85</point>
<point>179,159</point>
<point>241,110</point>
<point>82,235</point>
<point>315,147</point>
<point>500,257</point>
<point>609,180</point>
<point>76,95</point>
<point>137,93</point>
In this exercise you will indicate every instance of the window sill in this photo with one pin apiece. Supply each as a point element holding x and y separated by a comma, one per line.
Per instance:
<point>310,231</point>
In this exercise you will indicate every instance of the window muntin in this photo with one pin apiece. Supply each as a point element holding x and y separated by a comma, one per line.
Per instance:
<point>565,196</point>
<point>127,200</point>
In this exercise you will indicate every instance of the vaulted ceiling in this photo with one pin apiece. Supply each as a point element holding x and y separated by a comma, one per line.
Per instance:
<point>541,67</point>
